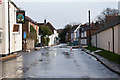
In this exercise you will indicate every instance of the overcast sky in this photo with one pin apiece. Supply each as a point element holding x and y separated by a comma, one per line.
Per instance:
<point>62,12</point>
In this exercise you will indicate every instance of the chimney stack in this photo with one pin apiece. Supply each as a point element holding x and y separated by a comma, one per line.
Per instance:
<point>44,21</point>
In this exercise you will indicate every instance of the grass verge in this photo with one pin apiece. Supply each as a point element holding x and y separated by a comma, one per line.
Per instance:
<point>106,54</point>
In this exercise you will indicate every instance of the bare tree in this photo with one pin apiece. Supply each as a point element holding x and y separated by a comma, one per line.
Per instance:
<point>108,11</point>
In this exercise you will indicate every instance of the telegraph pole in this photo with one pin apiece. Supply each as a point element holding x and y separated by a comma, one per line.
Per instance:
<point>89,44</point>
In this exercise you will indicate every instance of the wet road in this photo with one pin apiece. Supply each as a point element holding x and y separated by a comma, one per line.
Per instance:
<point>56,62</point>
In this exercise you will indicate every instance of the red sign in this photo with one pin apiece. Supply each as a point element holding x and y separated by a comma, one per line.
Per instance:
<point>0,1</point>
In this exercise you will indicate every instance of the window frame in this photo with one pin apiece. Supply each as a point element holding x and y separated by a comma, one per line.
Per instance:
<point>18,28</point>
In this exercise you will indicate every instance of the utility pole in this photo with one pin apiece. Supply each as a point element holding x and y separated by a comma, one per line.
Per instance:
<point>9,25</point>
<point>89,44</point>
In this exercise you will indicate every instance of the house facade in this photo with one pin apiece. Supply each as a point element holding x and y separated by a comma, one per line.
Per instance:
<point>84,32</point>
<point>108,37</point>
<point>83,35</point>
<point>75,33</point>
<point>10,31</point>
<point>26,28</point>
<point>54,37</point>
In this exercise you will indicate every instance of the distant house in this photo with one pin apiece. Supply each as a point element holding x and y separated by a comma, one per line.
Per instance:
<point>26,28</point>
<point>108,37</point>
<point>15,38</point>
<point>75,33</point>
<point>54,37</point>
<point>84,32</point>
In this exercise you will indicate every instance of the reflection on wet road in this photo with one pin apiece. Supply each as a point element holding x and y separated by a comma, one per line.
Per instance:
<point>56,62</point>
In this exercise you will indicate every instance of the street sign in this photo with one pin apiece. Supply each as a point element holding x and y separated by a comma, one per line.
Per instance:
<point>20,17</point>
<point>0,1</point>
<point>24,35</point>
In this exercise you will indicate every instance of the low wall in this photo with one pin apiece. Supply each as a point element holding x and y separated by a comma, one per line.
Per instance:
<point>30,44</point>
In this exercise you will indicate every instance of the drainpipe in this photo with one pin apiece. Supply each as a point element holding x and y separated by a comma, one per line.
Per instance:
<point>9,26</point>
<point>113,38</point>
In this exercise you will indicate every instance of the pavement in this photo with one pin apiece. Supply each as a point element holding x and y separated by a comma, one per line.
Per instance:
<point>8,57</point>
<point>109,64</point>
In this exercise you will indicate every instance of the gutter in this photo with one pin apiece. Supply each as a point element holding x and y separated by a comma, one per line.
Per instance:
<point>96,40</point>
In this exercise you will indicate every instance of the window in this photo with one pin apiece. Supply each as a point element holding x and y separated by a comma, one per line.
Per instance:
<point>82,35</point>
<point>16,28</point>
<point>85,34</point>
<point>0,37</point>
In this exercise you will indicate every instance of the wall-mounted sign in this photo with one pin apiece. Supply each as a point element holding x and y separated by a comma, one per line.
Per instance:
<point>20,17</point>
<point>24,34</point>
<point>0,1</point>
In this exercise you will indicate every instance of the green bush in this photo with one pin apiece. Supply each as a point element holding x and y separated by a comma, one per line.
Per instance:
<point>44,30</point>
<point>46,41</point>
<point>32,29</point>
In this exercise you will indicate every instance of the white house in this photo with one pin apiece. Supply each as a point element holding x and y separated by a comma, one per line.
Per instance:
<point>54,37</point>
<point>75,33</point>
<point>15,29</point>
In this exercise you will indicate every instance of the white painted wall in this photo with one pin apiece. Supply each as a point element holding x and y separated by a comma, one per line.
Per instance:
<point>15,38</point>
<point>4,26</point>
<point>75,34</point>
<point>52,38</point>
<point>1,26</point>
<point>118,39</point>
<point>105,39</point>
<point>93,40</point>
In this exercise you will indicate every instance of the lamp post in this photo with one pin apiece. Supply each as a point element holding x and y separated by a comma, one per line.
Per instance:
<point>89,44</point>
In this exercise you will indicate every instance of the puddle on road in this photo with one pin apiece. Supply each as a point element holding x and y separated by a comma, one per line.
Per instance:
<point>63,47</point>
<point>67,54</point>
<point>43,54</point>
